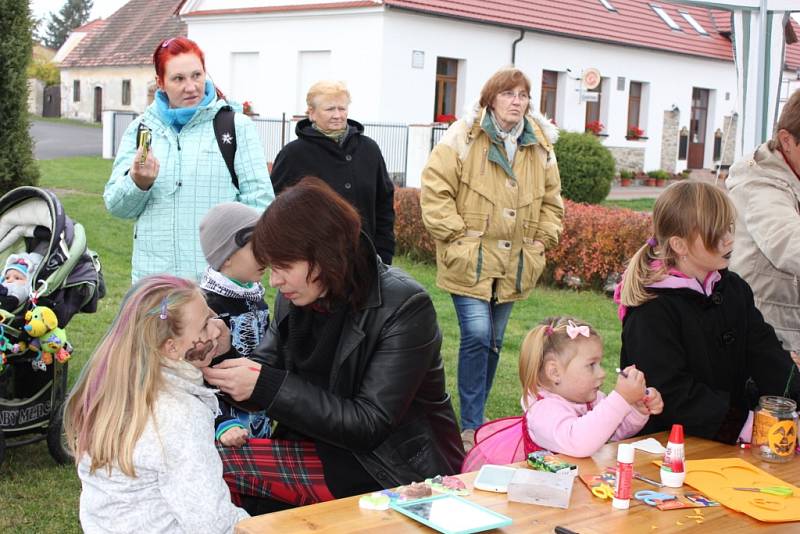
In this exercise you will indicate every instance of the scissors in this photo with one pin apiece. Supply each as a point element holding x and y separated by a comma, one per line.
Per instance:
<point>781,491</point>
<point>653,498</point>
<point>604,491</point>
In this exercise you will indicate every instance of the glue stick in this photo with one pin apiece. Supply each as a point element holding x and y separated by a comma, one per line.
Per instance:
<point>673,471</point>
<point>622,490</point>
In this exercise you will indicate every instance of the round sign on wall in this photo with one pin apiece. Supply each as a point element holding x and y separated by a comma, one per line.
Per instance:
<point>591,78</point>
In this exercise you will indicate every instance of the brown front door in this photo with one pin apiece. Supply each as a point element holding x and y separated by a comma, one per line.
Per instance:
<point>98,104</point>
<point>697,128</point>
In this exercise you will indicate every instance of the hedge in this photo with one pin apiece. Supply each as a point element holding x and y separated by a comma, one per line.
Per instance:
<point>586,167</point>
<point>596,242</point>
<point>17,166</point>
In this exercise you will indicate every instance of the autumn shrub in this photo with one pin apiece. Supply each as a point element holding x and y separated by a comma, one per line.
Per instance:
<point>586,167</point>
<point>411,236</point>
<point>596,242</point>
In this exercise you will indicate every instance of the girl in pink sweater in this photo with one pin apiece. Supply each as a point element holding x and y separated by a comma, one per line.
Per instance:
<point>565,411</point>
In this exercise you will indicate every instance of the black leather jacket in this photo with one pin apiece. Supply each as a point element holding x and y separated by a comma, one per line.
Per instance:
<point>386,399</point>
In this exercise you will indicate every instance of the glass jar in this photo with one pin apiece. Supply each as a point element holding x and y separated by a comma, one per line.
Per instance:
<point>775,429</point>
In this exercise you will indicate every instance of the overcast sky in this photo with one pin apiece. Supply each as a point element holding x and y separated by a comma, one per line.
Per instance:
<point>101,8</point>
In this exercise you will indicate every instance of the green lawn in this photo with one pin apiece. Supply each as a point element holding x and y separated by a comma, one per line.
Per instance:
<point>63,120</point>
<point>38,496</point>
<point>637,204</point>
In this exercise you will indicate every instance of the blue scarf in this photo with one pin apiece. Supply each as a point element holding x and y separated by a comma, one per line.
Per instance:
<point>178,117</point>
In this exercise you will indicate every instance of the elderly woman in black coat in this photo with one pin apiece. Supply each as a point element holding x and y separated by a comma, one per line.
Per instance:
<point>335,149</point>
<point>350,367</point>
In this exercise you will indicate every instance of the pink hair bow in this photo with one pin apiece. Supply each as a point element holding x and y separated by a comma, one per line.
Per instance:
<point>574,330</point>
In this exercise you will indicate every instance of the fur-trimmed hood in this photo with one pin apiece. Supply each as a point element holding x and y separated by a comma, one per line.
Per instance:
<point>473,112</point>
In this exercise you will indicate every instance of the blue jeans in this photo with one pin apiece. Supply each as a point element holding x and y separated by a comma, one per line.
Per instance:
<point>482,325</point>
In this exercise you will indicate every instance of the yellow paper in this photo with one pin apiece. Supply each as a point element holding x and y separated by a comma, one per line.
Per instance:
<point>717,478</point>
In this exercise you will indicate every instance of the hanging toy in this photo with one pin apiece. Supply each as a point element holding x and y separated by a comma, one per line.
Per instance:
<point>49,340</point>
<point>5,345</point>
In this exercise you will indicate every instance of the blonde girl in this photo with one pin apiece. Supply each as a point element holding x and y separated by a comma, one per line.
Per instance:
<point>691,325</point>
<point>561,376</point>
<point>141,423</point>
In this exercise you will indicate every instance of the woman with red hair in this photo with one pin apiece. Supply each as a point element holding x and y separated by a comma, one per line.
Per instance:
<point>170,187</point>
<point>350,367</point>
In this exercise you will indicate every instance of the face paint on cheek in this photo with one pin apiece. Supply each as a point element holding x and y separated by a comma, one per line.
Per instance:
<point>199,351</point>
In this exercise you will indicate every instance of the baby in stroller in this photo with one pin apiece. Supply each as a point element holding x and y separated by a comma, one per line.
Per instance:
<point>16,286</point>
<point>49,275</point>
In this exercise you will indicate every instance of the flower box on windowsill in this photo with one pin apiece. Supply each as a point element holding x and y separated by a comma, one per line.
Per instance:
<point>640,138</point>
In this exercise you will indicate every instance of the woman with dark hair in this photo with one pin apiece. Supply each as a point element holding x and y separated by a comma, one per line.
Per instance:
<point>350,366</point>
<point>170,187</point>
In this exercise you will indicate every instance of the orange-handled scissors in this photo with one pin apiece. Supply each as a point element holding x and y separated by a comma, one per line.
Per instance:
<point>603,491</point>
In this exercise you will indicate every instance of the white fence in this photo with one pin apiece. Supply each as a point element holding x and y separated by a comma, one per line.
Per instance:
<point>405,148</point>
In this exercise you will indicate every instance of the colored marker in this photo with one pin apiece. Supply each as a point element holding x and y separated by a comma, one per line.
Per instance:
<point>624,374</point>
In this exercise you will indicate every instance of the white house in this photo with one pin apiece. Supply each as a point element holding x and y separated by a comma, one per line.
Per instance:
<point>666,69</point>
<point>108,64</point>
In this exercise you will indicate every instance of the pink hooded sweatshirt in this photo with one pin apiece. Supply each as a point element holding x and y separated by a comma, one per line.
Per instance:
<point>581,429</point>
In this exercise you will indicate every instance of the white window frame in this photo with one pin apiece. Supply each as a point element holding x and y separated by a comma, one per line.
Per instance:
<point>666,18</point>
<point>693,22</point>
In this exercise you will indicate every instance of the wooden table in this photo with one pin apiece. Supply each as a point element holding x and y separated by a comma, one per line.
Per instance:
<point>586,514</point>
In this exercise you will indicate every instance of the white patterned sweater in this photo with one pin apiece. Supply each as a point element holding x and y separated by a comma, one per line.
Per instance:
<point>178,486</point>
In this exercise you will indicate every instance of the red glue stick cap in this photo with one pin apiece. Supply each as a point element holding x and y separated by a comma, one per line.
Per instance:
<point>676,434</point>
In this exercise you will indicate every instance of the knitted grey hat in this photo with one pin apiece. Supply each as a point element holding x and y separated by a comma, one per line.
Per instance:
<point>223,231</point>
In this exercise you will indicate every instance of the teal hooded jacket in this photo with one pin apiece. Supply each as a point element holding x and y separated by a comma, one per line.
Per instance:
<point>192,179</point>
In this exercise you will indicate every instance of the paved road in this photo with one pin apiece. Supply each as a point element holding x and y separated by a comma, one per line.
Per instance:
<point>61,140</point>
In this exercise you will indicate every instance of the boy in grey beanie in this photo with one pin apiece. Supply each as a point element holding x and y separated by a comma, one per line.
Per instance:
<point>232,287</point>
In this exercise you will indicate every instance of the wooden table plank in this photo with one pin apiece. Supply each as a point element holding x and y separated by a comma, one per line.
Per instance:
<point>586,514</point>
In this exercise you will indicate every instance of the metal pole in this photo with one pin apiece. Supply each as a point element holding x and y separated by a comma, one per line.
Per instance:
<point>283,129</point>
<point>761,72</point>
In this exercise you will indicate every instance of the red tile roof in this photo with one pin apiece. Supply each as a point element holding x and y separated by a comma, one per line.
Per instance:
<point>90,26</point>
<point>793,50</point>
<point>296,7</point>
<point>129,36</point>
<point>634,23</point>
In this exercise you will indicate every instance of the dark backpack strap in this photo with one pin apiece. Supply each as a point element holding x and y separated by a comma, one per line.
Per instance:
<point>225,132</point>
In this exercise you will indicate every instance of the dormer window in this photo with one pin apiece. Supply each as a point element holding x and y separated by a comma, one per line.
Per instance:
<point>666,18</point>
<point>607,5</point>
<point>693,23</point>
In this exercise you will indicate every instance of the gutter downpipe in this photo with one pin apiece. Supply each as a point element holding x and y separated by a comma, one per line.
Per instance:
<point>514,46</point>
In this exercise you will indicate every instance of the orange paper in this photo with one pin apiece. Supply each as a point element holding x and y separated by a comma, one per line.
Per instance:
<point>717,478</point>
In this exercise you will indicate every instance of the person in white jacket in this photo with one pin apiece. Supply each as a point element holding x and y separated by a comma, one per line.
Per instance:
<point>765,188</point>
<point>140,422</point>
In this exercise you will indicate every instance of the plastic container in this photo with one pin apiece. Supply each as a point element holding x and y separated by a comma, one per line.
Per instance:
<point>673,469</point>
<point>622,489</point>
<point>775,429</point>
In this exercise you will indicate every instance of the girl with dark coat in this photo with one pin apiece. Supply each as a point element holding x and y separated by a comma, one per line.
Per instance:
<point>691,325</point>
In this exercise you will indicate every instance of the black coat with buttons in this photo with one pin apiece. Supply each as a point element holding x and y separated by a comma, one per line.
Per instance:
<point>355,169</point>
<point>711,357</point>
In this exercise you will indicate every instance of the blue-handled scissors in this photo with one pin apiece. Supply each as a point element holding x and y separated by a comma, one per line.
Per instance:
<point>653,498</point>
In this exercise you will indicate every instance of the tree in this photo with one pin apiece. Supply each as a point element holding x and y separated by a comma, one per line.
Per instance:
<point>73,13</point>
<point>17,166</point>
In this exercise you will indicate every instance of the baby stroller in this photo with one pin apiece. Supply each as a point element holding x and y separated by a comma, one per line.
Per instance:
<point>67,281</point>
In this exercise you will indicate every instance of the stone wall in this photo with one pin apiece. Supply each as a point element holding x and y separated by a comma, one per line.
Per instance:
<point>627,158</point>
<point>669,140</point>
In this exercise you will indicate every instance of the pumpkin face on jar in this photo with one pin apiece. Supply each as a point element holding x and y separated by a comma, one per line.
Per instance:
<point>782,437</point>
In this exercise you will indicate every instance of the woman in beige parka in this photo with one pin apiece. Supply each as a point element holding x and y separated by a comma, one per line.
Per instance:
<point>491,199</point>
<point>765,188</point>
